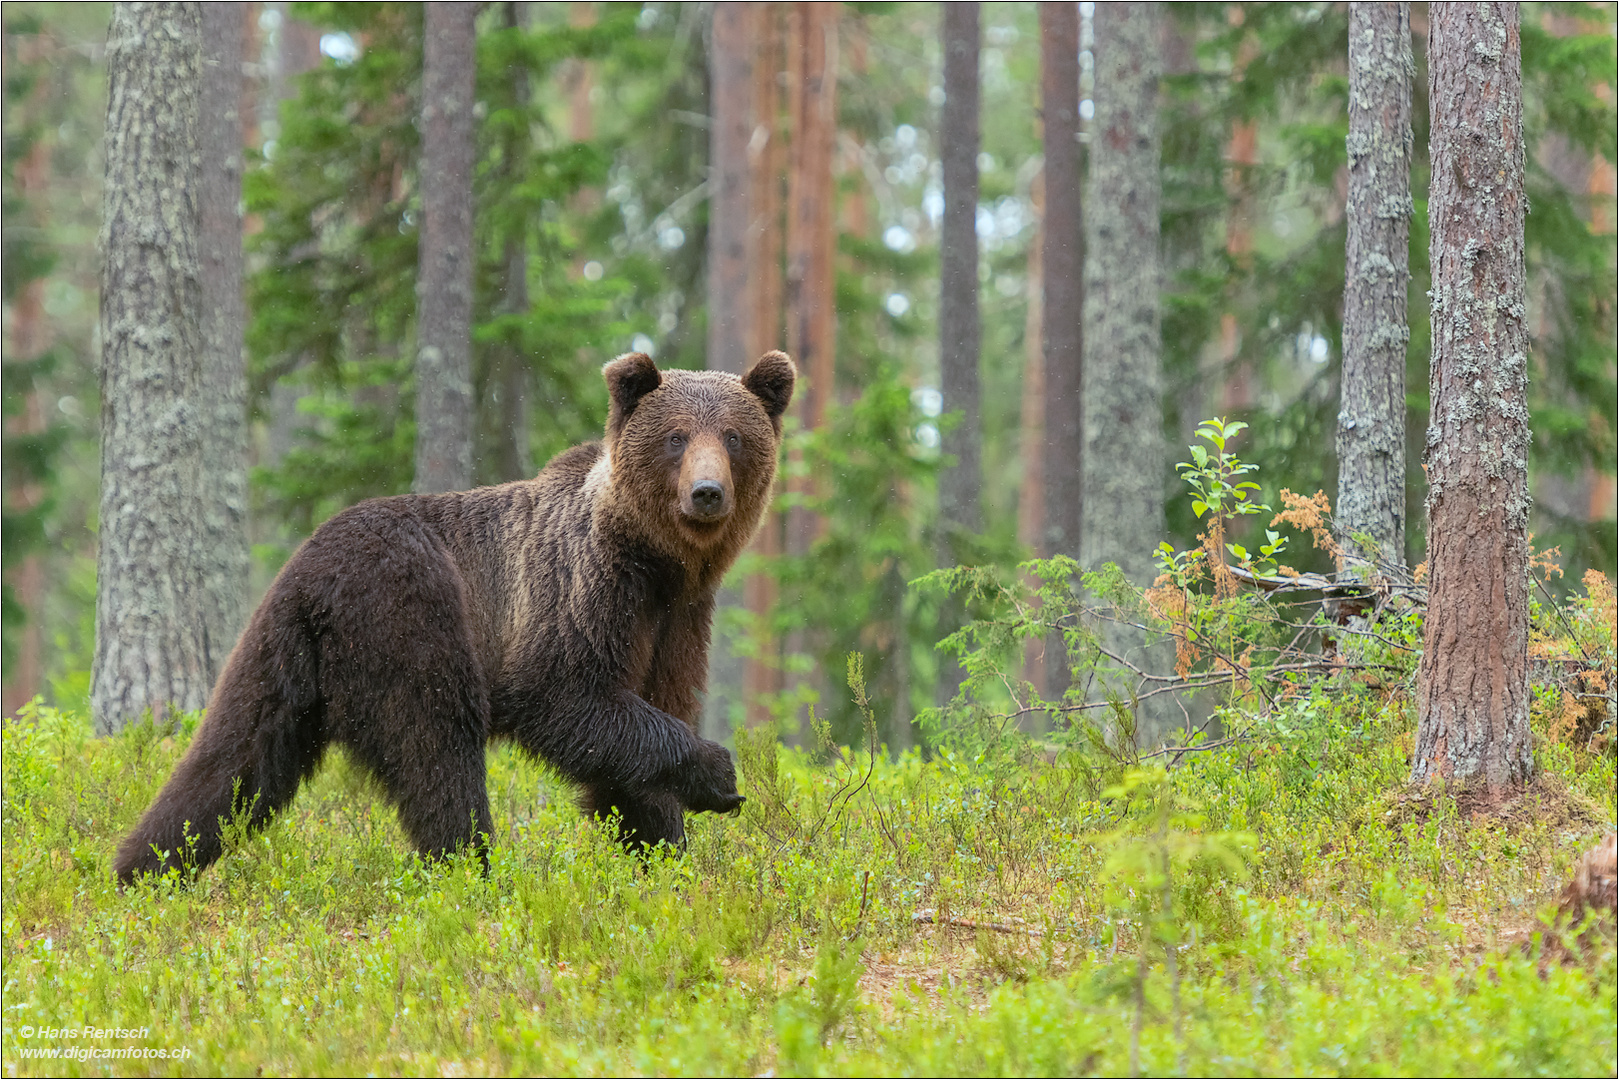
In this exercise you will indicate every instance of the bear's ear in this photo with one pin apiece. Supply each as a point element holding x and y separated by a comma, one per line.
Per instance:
<point>771,381</point>
<point>629,379</point>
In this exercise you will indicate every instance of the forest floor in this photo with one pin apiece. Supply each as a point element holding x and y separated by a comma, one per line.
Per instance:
<point>1278,906</point>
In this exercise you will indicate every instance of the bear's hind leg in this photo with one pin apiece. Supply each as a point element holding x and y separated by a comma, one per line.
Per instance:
<point>644,820</point>
<point>443,802</point>
<point>408,695</point>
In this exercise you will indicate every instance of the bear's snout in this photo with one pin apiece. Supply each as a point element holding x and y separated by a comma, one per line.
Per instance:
<point>705,481</point>
<point>708,499</point>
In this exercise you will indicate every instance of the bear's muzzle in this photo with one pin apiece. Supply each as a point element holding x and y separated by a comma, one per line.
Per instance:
<point>705,481</point>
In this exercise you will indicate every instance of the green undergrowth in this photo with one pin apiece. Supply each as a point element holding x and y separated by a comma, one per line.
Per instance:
<point>1272,907</point>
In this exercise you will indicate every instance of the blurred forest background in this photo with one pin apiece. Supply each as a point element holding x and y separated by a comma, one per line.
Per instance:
<point>595,183</point>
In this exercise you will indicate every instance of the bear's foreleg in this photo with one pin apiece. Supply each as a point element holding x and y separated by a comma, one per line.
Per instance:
<point>631,755</point>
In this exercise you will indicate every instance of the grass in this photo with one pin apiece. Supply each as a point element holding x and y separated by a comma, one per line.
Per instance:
<point>1274,907</point>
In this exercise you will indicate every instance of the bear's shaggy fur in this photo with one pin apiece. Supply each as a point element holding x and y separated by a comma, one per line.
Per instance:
<point>569,613</point>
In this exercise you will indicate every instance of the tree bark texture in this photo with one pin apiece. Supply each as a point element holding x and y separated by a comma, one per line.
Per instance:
<point>1062,306</point>
<point>767,166</point>
<point>729,220</point>
<point>502,377</point>
<point>1473,684</point>
<point>152,608</point>
<point>1032,417</point>
<point>812,100</point>
<point>1062,275</point>
<point>444,406</point>
<point>27,336</point>
<point>224,318</point>
<point>959,332</point>
<point>960,335</point>
<point>1123,419</point>
<point>730,311</point>
<point>1371,417</point>
<point>1125,457</point>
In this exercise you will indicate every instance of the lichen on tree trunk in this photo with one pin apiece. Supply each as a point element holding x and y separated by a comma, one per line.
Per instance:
<point>1473,685</point>
<point>1125,459</point>
<point>1371,417</point>
<point>151,605</point>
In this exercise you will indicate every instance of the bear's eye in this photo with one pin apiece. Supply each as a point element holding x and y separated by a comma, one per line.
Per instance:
<point>733,441</point>
<point>677,441</point>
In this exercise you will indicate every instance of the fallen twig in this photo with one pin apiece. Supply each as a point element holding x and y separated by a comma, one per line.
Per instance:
<point>927,918</point>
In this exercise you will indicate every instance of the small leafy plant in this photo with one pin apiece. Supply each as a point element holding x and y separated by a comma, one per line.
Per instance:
<point>1221,495</point>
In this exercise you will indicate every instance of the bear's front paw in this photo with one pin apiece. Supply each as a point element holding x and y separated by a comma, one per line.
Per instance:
<point>711,781</point>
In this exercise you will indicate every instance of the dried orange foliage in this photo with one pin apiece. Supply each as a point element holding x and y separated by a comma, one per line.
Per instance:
<point>1166,601</point>
<point>1225,582</point>
<point>1601,595</point>
<point>1584,715</point>
<point>1545,563</point>
<point>1310,512</point>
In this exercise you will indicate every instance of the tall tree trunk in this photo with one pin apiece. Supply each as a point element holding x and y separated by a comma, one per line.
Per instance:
<point>503,401</point>
<point>810,318</point>
<point>1032,417</point>
<point>1473,684</point>
<point>152,607</point>
<point>959,332</point>
<point>224,316</point>
<point>581,79</point>
<point>729,221</point>
<point>812,63</point>
<point>1125,461</point>
<point>767,166</point>
<point>1371,416</point>
<point>26,339</point>
<point>730,311</point>
<point>444,407</point>
<point>1063,302</point>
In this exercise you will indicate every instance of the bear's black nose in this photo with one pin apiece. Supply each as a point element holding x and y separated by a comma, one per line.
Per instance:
<point>707,498</point>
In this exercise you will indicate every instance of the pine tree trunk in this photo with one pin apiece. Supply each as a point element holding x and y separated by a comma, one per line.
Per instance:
<point>503,403</point>
<point>1473,684</point>
<point>224,316</point>
<point>810,239</point>
<point>959,334</point>
<point>27,338</point>
<point>1064,294</point>
<point>444,407</point>
<point>960,515</point>
<point>812,60</point>
<point>1371,417</point>
<point>1032,420</point>
<point>767,164</point>
<point>1125,458</point>
<point>731,87</point>
<point>731,49</point>
<point>152,607</point>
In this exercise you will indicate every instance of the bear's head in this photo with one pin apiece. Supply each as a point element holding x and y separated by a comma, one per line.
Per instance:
<point>693,453</point>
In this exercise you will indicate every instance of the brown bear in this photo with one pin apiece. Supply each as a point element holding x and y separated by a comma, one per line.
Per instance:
<point>569,613</point>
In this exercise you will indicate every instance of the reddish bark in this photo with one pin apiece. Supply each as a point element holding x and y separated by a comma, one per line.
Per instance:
<point>1473,685</point>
